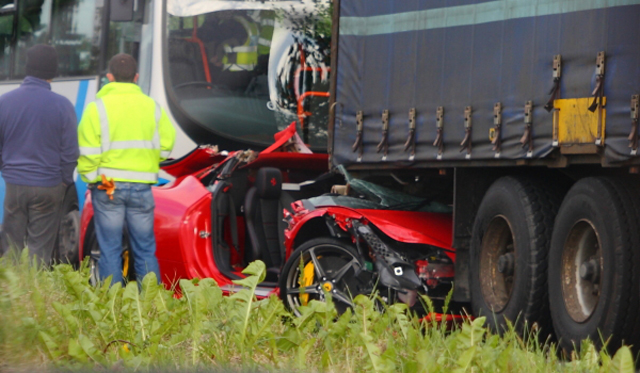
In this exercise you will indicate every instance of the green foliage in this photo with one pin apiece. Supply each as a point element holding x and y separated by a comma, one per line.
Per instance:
<point>55,319</point>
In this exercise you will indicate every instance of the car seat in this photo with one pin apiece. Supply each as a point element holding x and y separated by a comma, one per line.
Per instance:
<point>264,204</point>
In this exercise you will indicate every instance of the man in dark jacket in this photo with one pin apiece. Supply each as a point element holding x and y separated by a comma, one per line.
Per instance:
<point>38,153</point>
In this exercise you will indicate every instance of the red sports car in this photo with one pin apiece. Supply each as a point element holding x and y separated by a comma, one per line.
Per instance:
<point>223,211</point>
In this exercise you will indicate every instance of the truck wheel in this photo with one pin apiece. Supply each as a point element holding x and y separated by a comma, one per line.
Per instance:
<point>67,246</point>
<point>593,266</point>
<point>509,247</point>
<point>93,250</point>
<point>321,266</point>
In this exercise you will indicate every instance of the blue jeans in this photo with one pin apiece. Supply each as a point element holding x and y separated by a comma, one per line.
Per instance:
<point>132,203</point>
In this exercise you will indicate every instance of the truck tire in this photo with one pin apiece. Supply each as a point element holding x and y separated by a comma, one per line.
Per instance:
<point>67,246</point>
<point>333,265</point>
<point>509,248</point>
<point>593,265</point>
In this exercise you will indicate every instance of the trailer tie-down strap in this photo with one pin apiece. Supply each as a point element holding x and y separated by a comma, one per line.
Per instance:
<point>598,91</point>
<point>598,94</point>
<point>527,137</point>
<point>555,93</point>
<point>411,139</point>
<point>466,142</point>
<point>384,142</point>
<point>635,114</point>
<point>357,145</point>
<point>440,131</point>
<point>633,136</point>
<point>496,141</point>
<point>555,90</point>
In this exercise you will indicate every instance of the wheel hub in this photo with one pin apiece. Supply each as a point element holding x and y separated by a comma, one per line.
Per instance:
<point>505,264</point>
<point>327,286</point>
<point>497,263</point>
<point>590,271</point>
<point>581,271</point>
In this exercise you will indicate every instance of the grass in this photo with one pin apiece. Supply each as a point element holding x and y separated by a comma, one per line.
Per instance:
<point>52,320</point>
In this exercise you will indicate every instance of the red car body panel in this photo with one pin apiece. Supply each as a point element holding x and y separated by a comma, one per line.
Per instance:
<point>316,162</point>
<point>182,221</point>
<point>403,226</point>
<point>413,227</point>
<point>85,219</point>
<point>193,162</point>
<point>183,211</point>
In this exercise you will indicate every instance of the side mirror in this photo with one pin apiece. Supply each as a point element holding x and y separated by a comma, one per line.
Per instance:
<point>121,10</point>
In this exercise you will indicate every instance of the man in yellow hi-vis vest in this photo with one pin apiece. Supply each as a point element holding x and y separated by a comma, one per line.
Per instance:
<point>123,136</point>
<point>243,57</point>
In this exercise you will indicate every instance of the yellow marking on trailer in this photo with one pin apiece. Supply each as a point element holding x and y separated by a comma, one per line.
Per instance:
<point>492,133</point>
<point>574,124</point>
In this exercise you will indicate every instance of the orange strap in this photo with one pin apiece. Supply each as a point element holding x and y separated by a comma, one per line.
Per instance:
<point>194,39</point>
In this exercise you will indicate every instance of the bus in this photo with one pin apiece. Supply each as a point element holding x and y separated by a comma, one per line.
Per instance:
<point>230,73</point>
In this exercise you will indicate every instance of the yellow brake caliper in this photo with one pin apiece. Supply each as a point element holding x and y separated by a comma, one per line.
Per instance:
<point>125,263</point>
<point>306,280</point>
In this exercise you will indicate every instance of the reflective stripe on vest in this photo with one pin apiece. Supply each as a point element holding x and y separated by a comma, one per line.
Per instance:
<point>267,24</point>
<point>92,175</point>
<point>87,151</point>
<point>126,174</point>
<point>243,57</point>
<point>104,125</point>
<point>240,49</point>
<point>240,67</point>
<point>264,42</point>
<point>156,135</point>
<point>107,145</point>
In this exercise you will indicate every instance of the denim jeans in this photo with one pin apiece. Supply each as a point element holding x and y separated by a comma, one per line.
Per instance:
<point>132,204</point>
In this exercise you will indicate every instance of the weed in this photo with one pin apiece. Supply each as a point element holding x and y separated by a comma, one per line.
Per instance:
<point>53,319</point>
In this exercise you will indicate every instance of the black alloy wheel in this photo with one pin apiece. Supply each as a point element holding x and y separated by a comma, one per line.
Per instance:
<point>509,247</point>
<point>594,282</point>
<point>92,249</point>
<point>320,267</point>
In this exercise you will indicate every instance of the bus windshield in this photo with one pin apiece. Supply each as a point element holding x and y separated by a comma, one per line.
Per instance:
<point>244,70</point>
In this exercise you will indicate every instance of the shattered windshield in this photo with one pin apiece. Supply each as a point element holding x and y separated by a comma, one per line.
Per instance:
<point>247,69</point>
<point>366,195</point>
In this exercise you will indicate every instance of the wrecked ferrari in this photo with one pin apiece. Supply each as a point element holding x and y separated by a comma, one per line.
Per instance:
<point>225,210</point>
<point>367,239</point>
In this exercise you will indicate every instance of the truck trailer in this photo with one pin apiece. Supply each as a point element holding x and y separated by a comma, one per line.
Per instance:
<point>522,115</point>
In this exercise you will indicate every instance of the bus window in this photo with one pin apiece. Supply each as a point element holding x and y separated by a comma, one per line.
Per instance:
<point>34,18</point>
<point>76,25</point>
<point>125,37</point>
<point>70,26</point>
<point>6,31</point>
<point>245,74</point>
